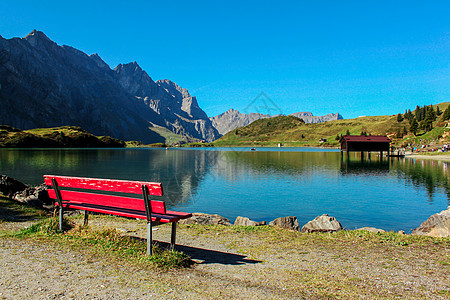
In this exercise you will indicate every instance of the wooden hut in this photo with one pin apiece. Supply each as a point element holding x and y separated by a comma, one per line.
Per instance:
<point>362,143</point>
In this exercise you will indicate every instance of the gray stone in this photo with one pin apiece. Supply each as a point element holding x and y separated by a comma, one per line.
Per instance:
<point>9,186</point>
<point>402,232</point>
<point>206,219</point>
<point>323,223</point>
<point>286,223</point>
<point>243,221</point>
<point>371,229</point>
<point>438,225</point>
<point>35,196</point>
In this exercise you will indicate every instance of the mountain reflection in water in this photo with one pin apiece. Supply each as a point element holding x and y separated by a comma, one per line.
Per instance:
<point>263,185</point>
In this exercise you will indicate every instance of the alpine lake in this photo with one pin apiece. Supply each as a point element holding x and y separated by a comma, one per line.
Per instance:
<point>387,193</point>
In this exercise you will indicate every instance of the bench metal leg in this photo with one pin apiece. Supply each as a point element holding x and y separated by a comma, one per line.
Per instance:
<point>149,238</point>
<point>86,217</point>
<point>173,237</point>
<point>61,213</point>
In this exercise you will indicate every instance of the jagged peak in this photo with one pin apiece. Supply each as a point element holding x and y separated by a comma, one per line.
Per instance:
<point>132,66</point>
<point>99,61</point>
<point>38,34</point>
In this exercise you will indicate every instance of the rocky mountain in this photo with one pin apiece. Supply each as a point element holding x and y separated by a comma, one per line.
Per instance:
<point>43,84</point>
<point>232,119</point>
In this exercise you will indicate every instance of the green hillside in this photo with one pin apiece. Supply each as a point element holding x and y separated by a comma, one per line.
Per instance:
<point>291,131</point>
<point>66,136</point>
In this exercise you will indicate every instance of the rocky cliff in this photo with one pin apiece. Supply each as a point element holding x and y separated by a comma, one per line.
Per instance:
<point>43,84</point>
<point>232,119</point>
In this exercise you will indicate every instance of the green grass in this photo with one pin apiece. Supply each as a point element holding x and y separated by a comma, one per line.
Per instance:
<point>106,243</point>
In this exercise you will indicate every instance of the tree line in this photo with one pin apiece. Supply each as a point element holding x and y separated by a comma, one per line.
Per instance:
<point>423,117</point>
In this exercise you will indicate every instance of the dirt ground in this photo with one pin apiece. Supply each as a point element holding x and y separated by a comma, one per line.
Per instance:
<point>230,264</point>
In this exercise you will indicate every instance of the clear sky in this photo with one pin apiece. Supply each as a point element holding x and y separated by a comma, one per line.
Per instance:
<point>352,57</point>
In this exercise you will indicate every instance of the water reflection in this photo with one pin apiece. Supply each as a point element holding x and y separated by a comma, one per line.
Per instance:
<point>263,185</point>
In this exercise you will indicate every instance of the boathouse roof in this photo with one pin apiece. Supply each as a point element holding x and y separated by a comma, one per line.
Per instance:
<point>365,143</point>
<point>363,138</point>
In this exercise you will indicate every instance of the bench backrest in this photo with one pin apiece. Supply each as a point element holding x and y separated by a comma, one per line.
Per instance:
<point>87,192</point>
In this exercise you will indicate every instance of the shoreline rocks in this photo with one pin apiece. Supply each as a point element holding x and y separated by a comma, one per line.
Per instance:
<point>323,223</point>
<point>206,219</point>
<point>438,225</point>
<point>290,222</point>
<point>244,221</point>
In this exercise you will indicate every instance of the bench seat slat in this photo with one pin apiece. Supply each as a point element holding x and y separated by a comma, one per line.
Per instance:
<point>111,185</point>
<point>108,200</point>
<point>123,212</point>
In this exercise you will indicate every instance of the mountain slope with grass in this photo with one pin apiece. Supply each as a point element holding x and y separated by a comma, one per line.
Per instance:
<point>66,136</point>
<point>291,131</point>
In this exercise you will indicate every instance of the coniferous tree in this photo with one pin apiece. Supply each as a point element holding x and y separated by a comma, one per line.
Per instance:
<point>405,132</point>
<point>438,111</point>
<point>414,126</point>
<point>348,132</point>
<point>399,118</point>
<point>447,114</point>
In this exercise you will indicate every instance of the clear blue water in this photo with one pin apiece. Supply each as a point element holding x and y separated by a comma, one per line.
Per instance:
<point>262,185</point>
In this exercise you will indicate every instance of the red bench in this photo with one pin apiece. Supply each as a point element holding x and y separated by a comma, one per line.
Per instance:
<point>83,193</point>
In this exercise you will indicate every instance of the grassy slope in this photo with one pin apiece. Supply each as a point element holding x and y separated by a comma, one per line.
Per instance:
<point>291,132</point>
<point>65,136</point>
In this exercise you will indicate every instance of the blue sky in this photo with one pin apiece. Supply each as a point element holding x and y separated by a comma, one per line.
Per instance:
<point>352,57</point>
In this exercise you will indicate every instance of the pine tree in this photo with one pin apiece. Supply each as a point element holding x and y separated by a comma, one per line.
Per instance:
<point>438,111</point>
<point>414,126</point>
<point>447,114</point>
<point>348,132</point>
<point>399,118</point>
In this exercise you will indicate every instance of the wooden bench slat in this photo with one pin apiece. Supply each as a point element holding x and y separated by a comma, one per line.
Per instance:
<point>111,185</point>
<point>108,200</point>
<point>124,213</point>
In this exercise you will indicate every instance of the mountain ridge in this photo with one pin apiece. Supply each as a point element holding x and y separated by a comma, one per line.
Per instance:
<point>232,119</point>
<point>43,84</point>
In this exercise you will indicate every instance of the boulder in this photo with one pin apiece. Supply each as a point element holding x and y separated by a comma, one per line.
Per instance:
<point>35,196</point>
<point>371,229</point>
<point>286,223</point>
<point>206,219</point>
<point>323,223</point>
<point>438,225</point>
<point>243,221</point>
<point>9,186</point>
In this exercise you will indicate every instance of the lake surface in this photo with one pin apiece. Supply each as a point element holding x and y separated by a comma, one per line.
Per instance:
<point>395,194</point>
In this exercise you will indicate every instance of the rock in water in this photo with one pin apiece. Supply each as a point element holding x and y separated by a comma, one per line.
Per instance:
<point>243,221</point>
<point>9,186</point>
<point>206,219</point>
<point>286,223</point>
<point>323,223</point>
<point>438,225</point>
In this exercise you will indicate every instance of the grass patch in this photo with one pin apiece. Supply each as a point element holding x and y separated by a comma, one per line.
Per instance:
<point>107,242</point>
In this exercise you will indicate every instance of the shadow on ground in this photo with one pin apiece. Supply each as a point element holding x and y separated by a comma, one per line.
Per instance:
<point>16,212</point>
<point>207,256</point>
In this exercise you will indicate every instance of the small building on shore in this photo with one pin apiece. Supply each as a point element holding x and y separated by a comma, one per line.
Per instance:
<point>362,143</point>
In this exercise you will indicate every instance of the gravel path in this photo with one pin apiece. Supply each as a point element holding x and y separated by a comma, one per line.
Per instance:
<point>229,265</point>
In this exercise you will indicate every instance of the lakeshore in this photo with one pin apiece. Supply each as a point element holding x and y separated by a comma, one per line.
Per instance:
<point>230,262</point>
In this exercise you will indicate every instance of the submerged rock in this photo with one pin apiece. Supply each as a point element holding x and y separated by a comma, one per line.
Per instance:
<point>9,186</point>
<point>438,225</point>
<point>244,221</point>
<point>323,223</point>
<point>206,219</point>
<point>286,223</point>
